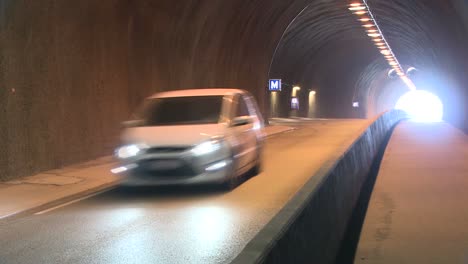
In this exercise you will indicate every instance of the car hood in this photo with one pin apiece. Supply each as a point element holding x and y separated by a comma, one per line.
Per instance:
<point>181,135</point>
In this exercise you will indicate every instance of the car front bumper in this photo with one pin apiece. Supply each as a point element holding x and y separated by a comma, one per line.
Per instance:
<point>142,172</point>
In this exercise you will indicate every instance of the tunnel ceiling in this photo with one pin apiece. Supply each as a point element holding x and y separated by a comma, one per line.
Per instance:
<point>326,49</point>
<point>72,70</point>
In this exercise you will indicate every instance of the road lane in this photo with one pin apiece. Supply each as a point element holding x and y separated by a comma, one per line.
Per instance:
<point>176,225</point>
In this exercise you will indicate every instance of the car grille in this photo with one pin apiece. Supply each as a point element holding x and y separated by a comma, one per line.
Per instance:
<point>162,150</point>
<point>183,169</point>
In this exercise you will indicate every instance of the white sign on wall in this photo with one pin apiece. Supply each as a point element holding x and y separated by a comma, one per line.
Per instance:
<point>274,85</point>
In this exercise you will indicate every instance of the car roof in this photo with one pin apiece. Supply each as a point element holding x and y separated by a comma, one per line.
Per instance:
<point>198,92</point>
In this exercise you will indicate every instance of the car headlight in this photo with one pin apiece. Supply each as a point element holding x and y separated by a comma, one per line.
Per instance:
<point>128,151</point>
<point>207,147</point>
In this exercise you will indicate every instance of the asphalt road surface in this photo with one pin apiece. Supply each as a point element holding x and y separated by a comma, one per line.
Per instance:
<point>176,225</point>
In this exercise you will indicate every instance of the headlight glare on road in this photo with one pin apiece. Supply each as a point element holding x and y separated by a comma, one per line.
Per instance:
<point>206,147</point>
<point>128,151</point>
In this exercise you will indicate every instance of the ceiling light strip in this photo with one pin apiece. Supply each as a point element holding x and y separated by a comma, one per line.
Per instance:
<point>362,10</point>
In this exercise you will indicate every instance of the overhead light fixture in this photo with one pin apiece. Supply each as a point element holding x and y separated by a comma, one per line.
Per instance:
<point>411,71</point>
<point>360,13</point>
<point>385,52</point>
<point>356,8</point>
<point>362,10</point>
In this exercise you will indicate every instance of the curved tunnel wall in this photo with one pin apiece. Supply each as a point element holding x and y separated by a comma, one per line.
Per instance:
<point>326,49</point>
<point>72,70</point>
<point>430,36</point>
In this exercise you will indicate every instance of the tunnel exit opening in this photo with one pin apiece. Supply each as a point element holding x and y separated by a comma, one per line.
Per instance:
<point>421,106</point>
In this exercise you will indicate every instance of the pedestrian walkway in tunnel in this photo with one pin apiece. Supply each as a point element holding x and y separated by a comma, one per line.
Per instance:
<point>418,209</point>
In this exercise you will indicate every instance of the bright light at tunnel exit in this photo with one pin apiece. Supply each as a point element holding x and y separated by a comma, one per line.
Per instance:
<point>421,106</point>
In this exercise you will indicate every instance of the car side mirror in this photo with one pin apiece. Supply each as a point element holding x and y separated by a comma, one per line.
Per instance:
<point>132,123</point>
<point>242,120</point>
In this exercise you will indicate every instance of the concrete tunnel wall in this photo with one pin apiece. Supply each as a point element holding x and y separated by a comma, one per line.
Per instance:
<point>71,71</point>
<point>312,226</point>
<point>343,66</point>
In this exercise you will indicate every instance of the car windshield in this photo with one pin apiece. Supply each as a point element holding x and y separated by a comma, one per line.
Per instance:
<point>181,110</point>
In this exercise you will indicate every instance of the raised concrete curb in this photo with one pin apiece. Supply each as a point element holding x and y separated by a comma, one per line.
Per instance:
<point>33,194</point>
<point>309,229</point>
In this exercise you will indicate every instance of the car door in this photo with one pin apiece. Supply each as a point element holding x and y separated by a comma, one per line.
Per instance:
<point>245,136</point>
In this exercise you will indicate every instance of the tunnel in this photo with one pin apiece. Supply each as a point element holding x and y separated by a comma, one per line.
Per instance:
<point>72,71</point>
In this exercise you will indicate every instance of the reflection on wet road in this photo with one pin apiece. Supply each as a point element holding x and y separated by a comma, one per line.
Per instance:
<point>177,224</point>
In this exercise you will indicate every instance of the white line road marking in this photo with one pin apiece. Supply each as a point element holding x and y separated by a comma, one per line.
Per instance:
<point>8,215</point>
<point>68,203</point>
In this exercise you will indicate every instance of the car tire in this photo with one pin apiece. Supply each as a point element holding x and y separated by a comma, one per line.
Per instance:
<point>257,168</point>
<point>231,183</point>
<point>233,180</point>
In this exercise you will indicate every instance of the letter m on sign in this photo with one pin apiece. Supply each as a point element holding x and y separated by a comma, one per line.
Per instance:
<point>274,85</point>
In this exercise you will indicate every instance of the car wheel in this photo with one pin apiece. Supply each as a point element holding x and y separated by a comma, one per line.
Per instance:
<point>231,183</point>
<point>257,168</point>
<point>233,180</point>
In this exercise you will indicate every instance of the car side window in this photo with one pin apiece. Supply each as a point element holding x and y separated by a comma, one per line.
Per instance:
<point>242,109</point>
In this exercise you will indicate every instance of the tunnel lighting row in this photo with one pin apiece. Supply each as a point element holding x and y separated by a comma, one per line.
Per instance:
<point>368,22</point>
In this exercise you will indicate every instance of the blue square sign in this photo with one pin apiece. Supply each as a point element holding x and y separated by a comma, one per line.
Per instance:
<point>274,85</point>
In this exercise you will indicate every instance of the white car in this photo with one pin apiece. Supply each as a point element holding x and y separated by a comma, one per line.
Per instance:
<point>192,136</point>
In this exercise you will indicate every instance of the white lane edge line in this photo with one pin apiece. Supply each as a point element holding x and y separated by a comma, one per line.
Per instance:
<point>67,203</point>
<point>8,215</point>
